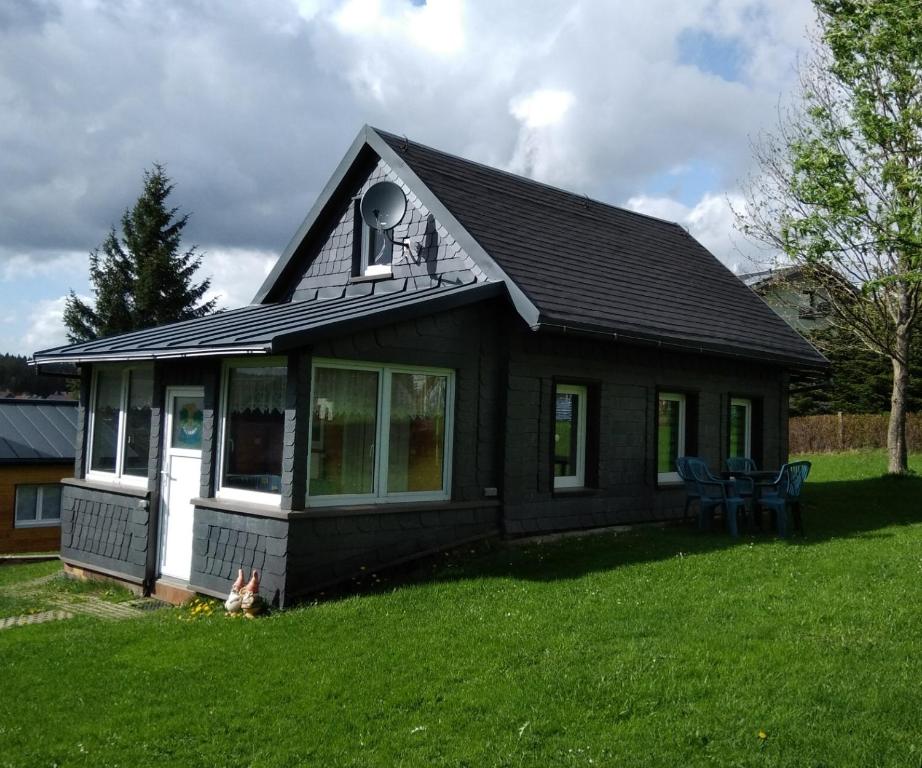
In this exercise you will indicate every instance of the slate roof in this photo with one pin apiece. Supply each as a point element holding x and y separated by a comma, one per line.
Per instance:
<point>590,266</point>
<point>272,328</point>
<point>37,431</point>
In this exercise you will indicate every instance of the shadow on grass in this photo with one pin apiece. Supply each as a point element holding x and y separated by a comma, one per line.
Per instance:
<point>831,510</point>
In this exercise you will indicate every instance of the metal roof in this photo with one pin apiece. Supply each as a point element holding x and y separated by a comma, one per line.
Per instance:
<point>270,328</point>
<point>37,431</point>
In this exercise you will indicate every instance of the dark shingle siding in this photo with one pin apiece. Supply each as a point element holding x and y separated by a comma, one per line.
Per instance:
<point>586,264</point>
<point>37,430</point>
<point>327,274</point>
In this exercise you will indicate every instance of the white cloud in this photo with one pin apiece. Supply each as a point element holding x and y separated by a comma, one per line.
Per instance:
<point>251,104</point>
<point>236,274</point>
<point>24,266</point>
<point>541,108</point>
<point>45,327</point>
<point>711,222</point>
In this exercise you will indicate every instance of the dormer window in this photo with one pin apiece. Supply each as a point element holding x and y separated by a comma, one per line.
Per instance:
<point>377,252</point>
<point>373,252</point>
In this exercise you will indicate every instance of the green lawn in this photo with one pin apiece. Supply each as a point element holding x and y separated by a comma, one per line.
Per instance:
<point>658,647</point>
<point>42,586</point>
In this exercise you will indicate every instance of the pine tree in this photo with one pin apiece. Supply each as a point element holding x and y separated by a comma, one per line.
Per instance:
<point>143,279</point>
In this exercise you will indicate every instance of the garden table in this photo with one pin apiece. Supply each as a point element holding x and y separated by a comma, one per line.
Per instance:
<point>761,478</point>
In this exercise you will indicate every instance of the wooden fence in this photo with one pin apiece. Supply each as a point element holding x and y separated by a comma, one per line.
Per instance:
<point>847,431</point>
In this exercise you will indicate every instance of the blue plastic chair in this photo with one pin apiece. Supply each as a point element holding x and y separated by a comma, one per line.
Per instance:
<point>713,493</point>
<point>741,464</point>
<point>691,487</point>
<point>784,493</point>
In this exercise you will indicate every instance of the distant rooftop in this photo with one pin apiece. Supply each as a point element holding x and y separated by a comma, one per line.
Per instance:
<point>34,431</point>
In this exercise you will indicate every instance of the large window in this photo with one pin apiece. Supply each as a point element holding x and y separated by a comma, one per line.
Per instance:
<point>570,436</point>
<point>670,435</point>
<point>38,505</point>
<point>740,427</point>
<point>253,427</point>
<point>379,433</point>
<point>120,412</point>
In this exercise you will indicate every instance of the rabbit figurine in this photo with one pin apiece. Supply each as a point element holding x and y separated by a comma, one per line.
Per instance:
<point>250,601</point>
<point>234,600</point>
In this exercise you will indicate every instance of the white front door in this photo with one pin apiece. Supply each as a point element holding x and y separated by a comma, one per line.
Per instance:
<point>181,478</point>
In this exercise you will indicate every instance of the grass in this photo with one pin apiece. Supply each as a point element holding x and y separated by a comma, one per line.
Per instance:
<point>36,587</point>
<point>659,647</point>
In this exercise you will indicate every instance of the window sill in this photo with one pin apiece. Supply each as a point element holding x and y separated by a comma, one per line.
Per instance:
<point>371,278</point>
<point>239,507</point>
<point>258,510</point>
<point>38,524</point>
<point>569,493</point>
<point>669,485</point>
<point>108,487</point>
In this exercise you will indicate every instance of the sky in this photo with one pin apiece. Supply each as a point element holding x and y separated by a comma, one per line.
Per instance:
<point>251,104</point>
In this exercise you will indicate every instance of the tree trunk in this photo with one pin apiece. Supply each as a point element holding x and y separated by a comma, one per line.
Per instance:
<point>896,430</point>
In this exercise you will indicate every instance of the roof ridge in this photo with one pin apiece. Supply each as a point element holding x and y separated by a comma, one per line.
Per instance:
<point>519,177</point>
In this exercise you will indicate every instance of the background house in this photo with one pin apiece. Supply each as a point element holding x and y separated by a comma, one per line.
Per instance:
<point>801,303</point>
<point>519,360</point>
<point>36,451</point>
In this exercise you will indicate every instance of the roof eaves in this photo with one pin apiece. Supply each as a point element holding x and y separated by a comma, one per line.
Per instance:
<point>700,347</point>
<point>52,356</point>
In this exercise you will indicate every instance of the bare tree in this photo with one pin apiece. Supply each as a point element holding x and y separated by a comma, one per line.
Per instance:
<point>839,188</point>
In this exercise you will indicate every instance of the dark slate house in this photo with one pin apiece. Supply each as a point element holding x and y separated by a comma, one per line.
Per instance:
<point>522,360</point>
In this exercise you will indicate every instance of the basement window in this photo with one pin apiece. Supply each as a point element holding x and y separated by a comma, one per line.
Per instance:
<point>119,428</point>
<point>38,505</point>
<point>379,433</point>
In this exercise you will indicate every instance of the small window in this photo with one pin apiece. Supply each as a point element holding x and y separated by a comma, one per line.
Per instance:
<point>120,414</point>
<point>379,433</point>
<point>740,442</point>
<point>570,436</point>
<point>374,252</point>
<point>670,435</point>
<point>38,505</point>
<point>253,427</point>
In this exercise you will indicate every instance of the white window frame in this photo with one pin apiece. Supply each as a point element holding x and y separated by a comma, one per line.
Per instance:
<point>241,494</point>
<point>38,522</point>
<point>747,404</point>
<point>577,480</point>
<point>384,371</point>
<point>366,268</point>
<point>375,270</point>
<point>678,397</point>
<point>118,477</point>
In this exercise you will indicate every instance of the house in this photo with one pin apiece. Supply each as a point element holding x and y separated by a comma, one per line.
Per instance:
<point>36,451</point>
<point>521,360</point>
<point>802,304</point>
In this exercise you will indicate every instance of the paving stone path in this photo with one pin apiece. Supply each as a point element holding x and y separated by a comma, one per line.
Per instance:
<point>34,618</point>
<point>69,606</point>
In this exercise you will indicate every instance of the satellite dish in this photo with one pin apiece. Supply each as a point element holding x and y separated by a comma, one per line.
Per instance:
<point>383,205</point>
